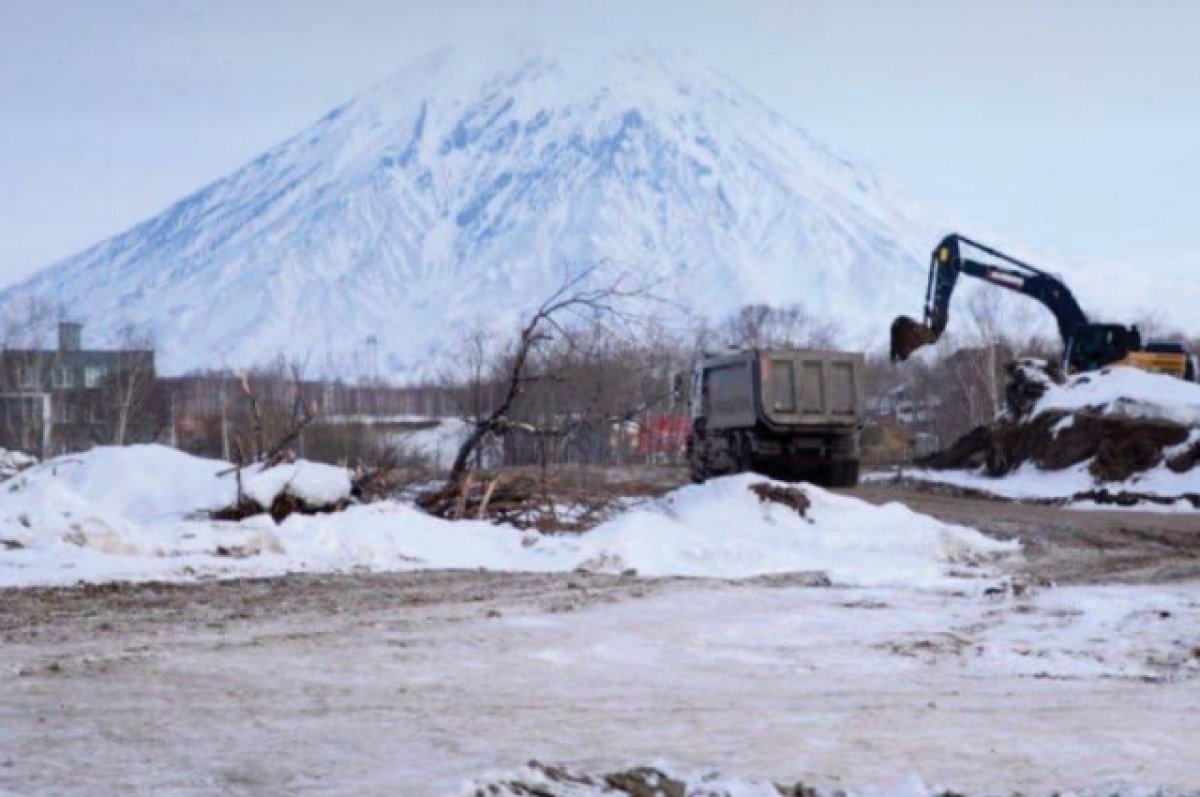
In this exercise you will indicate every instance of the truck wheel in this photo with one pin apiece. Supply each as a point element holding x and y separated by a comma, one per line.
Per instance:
<point>743,456</point>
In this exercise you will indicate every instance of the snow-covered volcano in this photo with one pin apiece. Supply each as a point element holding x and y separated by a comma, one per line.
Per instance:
<point>454,194</point>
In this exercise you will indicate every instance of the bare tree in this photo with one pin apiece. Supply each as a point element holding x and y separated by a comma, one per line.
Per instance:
<point>583,302</point>
<point>762,326</point>
<point>130,390</point>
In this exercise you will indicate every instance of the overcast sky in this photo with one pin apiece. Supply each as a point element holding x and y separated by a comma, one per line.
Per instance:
<point>1073,126</point>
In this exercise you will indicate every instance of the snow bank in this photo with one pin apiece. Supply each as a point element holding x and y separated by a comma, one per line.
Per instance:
<point>1030,483</point>
<point>134,484</point>
<point>124,514</point>
<point>723,529</point>
<point>1129,392</point>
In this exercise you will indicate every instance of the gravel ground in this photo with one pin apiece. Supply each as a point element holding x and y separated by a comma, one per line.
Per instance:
<point>1069,546</point>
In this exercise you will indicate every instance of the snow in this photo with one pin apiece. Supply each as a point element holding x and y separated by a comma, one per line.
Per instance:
<point>450,196</point>
<point>881,691</point>
<point>314,483</point>
<point>127,514</point>
<point>1028,482</point>
<point>13,462</point>
<point>875,691</point>
<point>1126,391</point>
<point>134,484</point>
<point>437,445</point>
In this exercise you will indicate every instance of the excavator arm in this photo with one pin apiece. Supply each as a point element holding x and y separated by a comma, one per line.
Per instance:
<point>948,262</point>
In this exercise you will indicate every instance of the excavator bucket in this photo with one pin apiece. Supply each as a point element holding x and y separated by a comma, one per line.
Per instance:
<point>908,336</point>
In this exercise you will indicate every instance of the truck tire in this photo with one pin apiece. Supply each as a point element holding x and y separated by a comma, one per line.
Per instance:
<point>743,458</point>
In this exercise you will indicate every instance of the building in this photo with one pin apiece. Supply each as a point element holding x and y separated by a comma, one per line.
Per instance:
<point>69,398</point>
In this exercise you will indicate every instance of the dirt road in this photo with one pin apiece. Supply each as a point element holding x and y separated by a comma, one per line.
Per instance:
<point>407,684</point>
<point>404,684</point>
<point>1069,546</point>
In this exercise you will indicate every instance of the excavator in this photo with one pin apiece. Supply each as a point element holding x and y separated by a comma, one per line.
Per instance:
<point>1087,346</point>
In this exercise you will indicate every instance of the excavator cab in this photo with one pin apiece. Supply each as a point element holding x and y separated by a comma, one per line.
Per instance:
<point>1093,346</point>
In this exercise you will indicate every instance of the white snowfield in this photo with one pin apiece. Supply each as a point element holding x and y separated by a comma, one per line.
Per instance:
<point>1117,391</point>
<point>137,513</point>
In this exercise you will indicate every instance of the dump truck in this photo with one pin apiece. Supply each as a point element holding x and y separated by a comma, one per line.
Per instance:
<point>790,414</point>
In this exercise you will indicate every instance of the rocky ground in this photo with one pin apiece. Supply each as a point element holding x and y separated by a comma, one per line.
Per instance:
<point>448,682</point>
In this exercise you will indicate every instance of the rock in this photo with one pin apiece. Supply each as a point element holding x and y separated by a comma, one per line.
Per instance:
<point>645,782</point>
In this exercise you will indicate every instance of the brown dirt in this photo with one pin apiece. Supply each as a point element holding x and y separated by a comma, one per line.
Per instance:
<point>908,336</point>
<point>1118,447</point>
<point>792,497</point>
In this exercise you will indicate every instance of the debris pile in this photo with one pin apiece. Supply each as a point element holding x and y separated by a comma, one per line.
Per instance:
<point>1130,435</point>
<point>529,500</point>
<point>548,780</point>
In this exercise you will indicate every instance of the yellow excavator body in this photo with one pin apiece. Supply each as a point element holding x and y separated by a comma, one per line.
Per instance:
<point>1169,363</point>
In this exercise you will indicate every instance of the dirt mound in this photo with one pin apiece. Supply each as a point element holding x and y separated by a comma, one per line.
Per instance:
<point>792,497</point>
<point>533,500</point>
<point>1116,445</point>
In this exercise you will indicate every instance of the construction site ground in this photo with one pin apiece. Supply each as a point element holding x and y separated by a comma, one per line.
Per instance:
<point>410,683</point>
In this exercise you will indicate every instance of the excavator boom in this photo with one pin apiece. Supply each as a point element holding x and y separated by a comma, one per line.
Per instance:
<point>947,263</point>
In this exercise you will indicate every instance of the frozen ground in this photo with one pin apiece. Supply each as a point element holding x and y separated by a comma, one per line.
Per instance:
<point>873,643</point>
<point>411,684</point>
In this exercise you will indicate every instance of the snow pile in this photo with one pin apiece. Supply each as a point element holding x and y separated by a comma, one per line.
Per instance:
<point>721,528</point>
<point>131,485</point>
<point>131,514</point>
<point>1123,391</point>
<point>13,462</point>
<point>1119,436</point>
<point>312,483</point>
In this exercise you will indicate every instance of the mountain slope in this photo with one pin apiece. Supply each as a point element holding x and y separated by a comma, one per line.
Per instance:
<point>454,194</point>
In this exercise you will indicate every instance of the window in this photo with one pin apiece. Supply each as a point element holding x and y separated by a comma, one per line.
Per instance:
<point>93,375</point>
<point>29,376</point>
<point>63,376</point>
